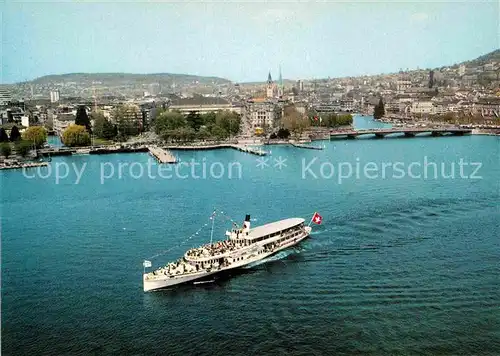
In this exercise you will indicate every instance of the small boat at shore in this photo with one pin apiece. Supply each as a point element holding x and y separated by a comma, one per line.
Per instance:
<point>243,246</point>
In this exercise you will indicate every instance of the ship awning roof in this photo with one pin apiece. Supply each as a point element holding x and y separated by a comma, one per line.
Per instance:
<point>274,227</point>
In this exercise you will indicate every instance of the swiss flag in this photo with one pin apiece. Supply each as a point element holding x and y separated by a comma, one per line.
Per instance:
<point>317,219</point>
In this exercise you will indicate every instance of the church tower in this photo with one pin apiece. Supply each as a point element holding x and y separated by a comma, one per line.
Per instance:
<point>271,87</point>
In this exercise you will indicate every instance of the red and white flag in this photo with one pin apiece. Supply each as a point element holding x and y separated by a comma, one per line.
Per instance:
<point>317,219</point>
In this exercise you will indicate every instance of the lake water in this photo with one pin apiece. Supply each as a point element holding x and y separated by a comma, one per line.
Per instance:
<point>54,141</point>
<point>367,122</point>
<point>399,266</point>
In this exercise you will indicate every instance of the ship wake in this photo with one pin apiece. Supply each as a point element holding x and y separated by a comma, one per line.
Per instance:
<point>278,256</point>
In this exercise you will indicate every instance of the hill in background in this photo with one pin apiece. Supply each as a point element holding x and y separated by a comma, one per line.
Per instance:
<point>87,85</point>
<point>115,84</point>
<point>113,79</point>
<point>487,58</point>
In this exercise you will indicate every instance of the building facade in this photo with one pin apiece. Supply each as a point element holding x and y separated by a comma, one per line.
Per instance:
<point>402,85</point>
<point>347,104</point>
<point>54,96</point>
<point>422,107</point>
<point>262,115</point>
<point>62,121</point>
<point>487,107</point>
<point>5,96</point>
<point>203,105</point>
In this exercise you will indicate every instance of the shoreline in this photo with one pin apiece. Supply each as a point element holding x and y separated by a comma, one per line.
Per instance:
<point>245,144</point>
<point>23,165</point>
<point>484,132</point>
<point>489,130</point>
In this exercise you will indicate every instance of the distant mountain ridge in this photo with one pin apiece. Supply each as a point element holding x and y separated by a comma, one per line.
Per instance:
<point>118,78</point>
<point>168,79</point>
<point>486,58</point>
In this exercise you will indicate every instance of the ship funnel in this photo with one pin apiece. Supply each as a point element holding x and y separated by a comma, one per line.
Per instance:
<point>246,224</point>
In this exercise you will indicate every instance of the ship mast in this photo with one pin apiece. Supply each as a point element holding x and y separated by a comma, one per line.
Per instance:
<point>212,230</point>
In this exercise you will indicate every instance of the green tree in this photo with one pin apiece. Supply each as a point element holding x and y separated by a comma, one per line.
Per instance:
<point>5,149</point>
<point>335,120</point>
<point>176,134</point>
<point>173,126</point>
<point>128,121</point>
<point>228,121</point>
<point>37,135</point>
<point>194,120</point>
<point>169,120</point>
<point>294,121</point>
<point>208,118</point>
<point>180,134</point>
<point>186,133</point>
<point>76,135</point>
<point>344,120</point>
<point>327,120</point>
<point>23,147</point>
<point>283,133</point>
<point>203,133</point>
<point>154,113</point>
<point>218,132</point>
<point>379,110</point>
<point>313,115</point>
<point>167,135</point>
<point>14,134</point>
<point>82,118</point>
<point>102,127</point>
<point>3,135</point>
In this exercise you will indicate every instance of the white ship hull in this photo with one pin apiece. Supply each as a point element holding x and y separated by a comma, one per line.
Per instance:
<point>250,258</point>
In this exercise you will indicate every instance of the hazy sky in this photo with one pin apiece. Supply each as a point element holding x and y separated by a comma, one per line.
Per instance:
<point>242,41</point>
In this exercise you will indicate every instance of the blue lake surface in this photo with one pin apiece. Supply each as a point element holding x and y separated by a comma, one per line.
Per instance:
<point>399,265</point>
<point>367,122</point>
<point>54,141</point>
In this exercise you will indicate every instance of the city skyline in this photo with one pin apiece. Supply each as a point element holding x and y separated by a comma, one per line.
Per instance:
<point>240,41</point>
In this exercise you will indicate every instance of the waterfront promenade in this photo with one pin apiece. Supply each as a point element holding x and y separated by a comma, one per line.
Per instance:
<point>131,149</point>
<point>239,147</point>
<point>93,150</point>
<point>22,165</point>
<point>309,147</point>
<point>251,150</point>
<point>333,134</point>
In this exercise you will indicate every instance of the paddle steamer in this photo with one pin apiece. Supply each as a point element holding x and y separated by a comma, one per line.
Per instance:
<point>243,247</point>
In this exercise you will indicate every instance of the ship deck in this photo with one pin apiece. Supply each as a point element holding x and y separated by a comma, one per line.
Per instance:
<point>273,227</point>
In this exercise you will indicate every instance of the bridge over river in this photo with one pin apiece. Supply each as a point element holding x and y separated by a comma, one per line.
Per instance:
<point>408,132</point>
